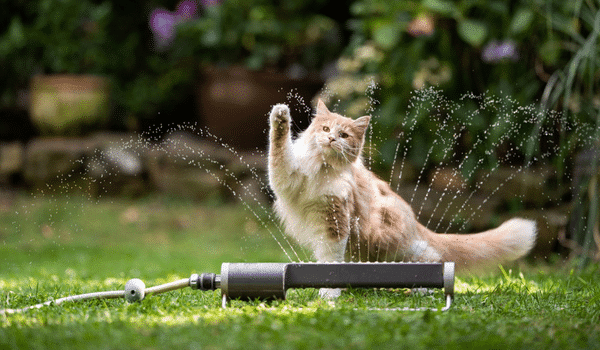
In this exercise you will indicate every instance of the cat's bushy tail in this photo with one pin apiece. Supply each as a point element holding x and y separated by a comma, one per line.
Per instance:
<point>509,241</point>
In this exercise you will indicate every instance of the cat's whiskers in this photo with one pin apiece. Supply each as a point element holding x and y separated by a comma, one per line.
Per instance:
<point>342,152</point>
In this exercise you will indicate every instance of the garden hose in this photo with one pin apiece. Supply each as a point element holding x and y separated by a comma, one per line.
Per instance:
<point>265,281</point>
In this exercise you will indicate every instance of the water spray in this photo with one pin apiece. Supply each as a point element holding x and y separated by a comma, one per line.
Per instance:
<point>268,281</point>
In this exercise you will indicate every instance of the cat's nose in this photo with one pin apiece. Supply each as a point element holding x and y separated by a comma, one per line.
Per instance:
<point>331,138</point>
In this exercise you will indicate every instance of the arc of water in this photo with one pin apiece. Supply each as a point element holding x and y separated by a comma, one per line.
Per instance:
<point>419,178</point>
<point>229,173</point>
<point>417,95</point>
<point>445,154</point>
<point>479,141</point>
<point>511,176</point>
<point>255,175</point>
<point>460,166</point>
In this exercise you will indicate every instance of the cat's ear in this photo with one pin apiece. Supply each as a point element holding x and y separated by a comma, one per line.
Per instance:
<point>362,123</point>
<point>321,108</point>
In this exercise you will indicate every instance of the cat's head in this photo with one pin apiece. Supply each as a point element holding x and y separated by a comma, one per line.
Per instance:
<point>337,139</point>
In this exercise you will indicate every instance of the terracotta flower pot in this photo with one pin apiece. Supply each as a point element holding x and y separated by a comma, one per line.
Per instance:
<point>69,104</point>
<point>233,103</point>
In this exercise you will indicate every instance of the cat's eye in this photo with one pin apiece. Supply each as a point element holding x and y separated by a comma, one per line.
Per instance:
<point>343,135</point>
<point>326,128</point>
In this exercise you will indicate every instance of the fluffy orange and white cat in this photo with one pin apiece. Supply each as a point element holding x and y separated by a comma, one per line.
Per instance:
<point>330,202</point>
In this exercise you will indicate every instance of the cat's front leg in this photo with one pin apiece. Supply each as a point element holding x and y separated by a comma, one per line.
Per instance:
<point>331,251</point>
<point>332,247</point>
<point>281,162</point>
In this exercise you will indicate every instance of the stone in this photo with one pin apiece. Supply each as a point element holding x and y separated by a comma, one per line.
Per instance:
<point>188,150</point>
<point>11,160</point>
<point>52,160</point>
<point>247,177</point>
<point>115,164</point>
<point>187,166</point>
<point>190,183</point>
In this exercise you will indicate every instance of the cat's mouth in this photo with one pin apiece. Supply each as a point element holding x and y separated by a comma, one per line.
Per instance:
<point>331,151</point>
<point>334,146</point>
<point>330,146</point>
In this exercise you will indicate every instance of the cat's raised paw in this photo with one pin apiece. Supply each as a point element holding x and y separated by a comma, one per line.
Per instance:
<point>280,114</point>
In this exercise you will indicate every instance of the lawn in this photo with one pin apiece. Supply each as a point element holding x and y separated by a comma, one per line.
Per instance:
<point>51,247</point>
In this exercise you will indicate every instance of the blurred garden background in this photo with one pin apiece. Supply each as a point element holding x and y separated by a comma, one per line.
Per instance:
<point>482,110</point>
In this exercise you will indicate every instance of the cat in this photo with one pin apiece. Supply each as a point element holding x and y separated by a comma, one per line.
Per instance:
<point>331,203</point>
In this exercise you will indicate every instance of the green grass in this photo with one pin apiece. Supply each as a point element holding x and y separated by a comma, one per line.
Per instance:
<point>50,248</point>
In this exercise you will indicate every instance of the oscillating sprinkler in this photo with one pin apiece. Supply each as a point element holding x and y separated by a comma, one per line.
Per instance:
<point>267,281</point>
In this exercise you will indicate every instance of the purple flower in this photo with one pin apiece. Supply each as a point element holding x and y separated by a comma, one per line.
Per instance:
<point>186,10</point>
<point>496,52</point>
<point>162,24</point>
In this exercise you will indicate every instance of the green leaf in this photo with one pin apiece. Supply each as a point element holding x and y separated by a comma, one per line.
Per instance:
<point>550,52</point>
<point>499,8</point>
<point>440,6</point>
<point>255,62</point>
<point>386,36</point>
<point>388,151</point>
<point>521,21</point>
<point>211,38</point>
<point>101,11</point>
<point>472,31</point>
<point>358,8</point>
<point>16,33</point>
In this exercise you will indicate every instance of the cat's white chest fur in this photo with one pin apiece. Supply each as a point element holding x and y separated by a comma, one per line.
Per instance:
<point>300,203</point>
<point>312,178</point>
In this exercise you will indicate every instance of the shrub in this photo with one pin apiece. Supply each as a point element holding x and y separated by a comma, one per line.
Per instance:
<point>517,53</point>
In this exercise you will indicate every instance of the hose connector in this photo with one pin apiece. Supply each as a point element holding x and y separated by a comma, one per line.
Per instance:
<point>205,281</point>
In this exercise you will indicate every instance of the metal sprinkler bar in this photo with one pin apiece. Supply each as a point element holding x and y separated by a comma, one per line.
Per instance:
<point>249,281</point>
